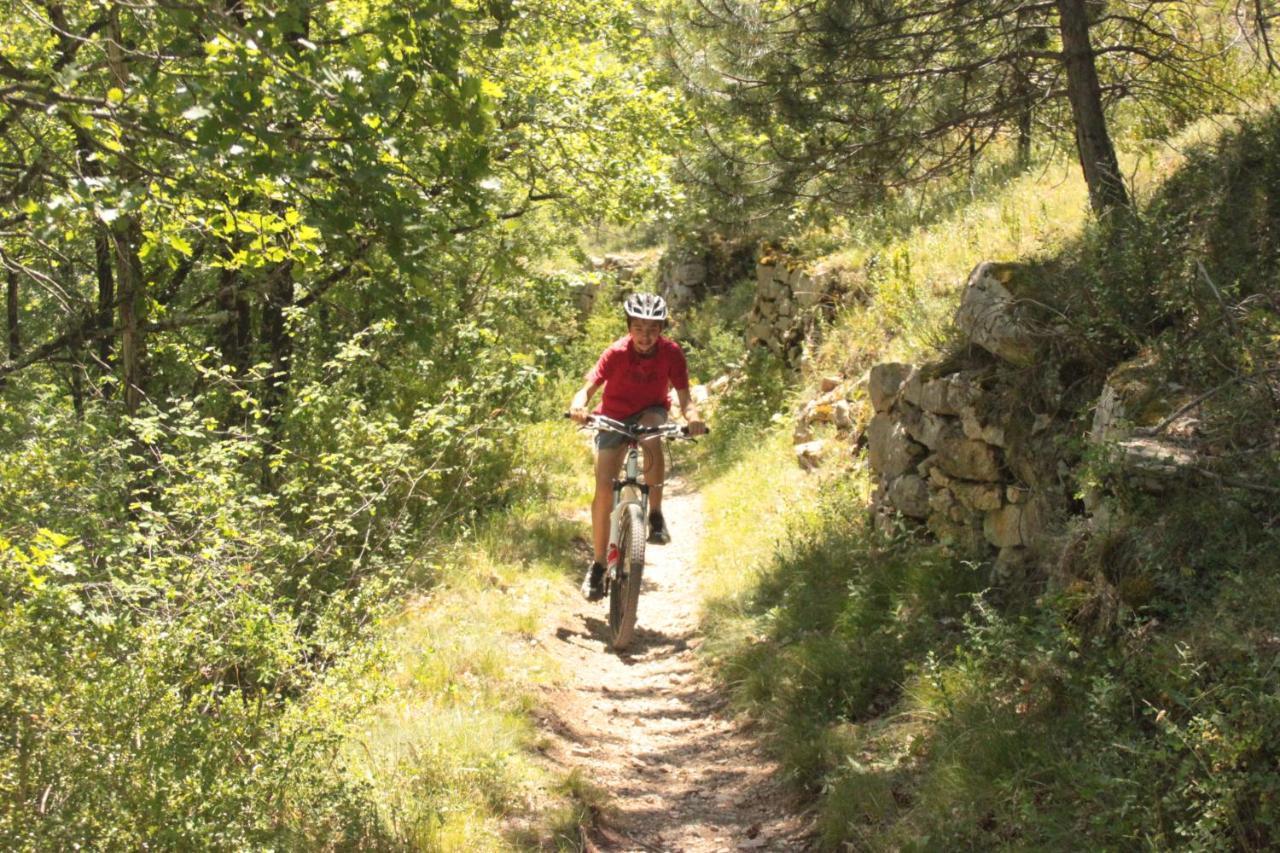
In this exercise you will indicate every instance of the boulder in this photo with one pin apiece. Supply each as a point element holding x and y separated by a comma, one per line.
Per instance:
<point>764,275</point>
<point>942,501</point>
<point>1135,394</point>
<point>967,459</point>
<point>988,315</point>
<point>810,454</point>
<point>817,412</point>
<point>1156,463</point>
<point>977,497</point>
<point>937,478</point>
<point>683,272</point>
<point>974,428</point>
<point>889,448</point>
<point>946,395</point>
<point>774,288</point>
<point>1032,461</point>
<point>963,537</point>
<point>1013,525</point>
<point>843,414</point>
<point>758,333</point>
<point>929,429</point>
<point>910,496</point>
<point>884,381</point>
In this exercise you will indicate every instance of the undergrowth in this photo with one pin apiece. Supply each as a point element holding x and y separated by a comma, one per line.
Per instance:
<point>448,751</point>
<point>1124,695</point>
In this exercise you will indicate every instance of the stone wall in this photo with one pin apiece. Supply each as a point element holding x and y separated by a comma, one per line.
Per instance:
<point>689,274</point>
<point>983,450</point>
<point>958,450</point>
<point>789,301</point>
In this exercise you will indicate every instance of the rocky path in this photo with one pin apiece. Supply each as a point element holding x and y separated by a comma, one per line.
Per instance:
<point>649,729</point>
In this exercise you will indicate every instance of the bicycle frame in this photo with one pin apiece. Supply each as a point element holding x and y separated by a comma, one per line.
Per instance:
<point>627,489</point>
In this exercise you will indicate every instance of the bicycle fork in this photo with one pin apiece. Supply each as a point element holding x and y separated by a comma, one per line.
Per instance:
<point>640,496</point>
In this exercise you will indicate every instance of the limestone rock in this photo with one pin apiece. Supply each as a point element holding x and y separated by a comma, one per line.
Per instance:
<point>967,459</point>
<point>988,315</point>
<point>945,395</point>
<point>843,414</point>
<point>758,332</point>
<point>978,497</point>
<point>929,429</point>
<point>810,454</point>
<point>764,275</point>
<point>1135,395</point>
<point>1013,525</point>
<point>884,382</point>
<point>963,537</point>
<point>889,448</point>
<point>910,496</point>
<point>1156,463</point>
<point>942,501</point>
<point>975,429</point>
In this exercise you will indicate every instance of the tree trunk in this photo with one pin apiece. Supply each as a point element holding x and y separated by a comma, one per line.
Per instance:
<point>106,292</point>
<point>127,238</point>
<point>11,312</point>
<point>279,343</point>
<point>1093,142</point>
<point>233,334</point>
<point>280,297</point>
<point>1024,136</point>
<point>76,380</point>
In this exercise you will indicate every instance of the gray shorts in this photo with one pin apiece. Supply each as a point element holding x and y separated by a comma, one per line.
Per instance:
<point>609,440</point>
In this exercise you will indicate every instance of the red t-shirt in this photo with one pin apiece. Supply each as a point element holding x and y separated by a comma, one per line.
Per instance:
<point>633,382</point>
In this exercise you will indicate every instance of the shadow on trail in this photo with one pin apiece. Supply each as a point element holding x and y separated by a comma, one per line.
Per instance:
<point>647,645</point>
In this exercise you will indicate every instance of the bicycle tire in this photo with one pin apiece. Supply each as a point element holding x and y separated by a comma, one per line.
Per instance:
<point>624,589</point>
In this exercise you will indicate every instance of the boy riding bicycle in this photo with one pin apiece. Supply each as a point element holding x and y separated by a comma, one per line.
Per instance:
<point>637,372</point>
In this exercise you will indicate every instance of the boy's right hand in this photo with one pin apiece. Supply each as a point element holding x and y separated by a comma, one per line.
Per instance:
<point>579,414</point>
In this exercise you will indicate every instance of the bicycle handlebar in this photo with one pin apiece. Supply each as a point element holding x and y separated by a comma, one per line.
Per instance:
<point>607,424</point>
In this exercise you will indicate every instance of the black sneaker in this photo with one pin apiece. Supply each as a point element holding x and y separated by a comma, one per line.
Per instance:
<point>658,534</point>
<point>593,583</point>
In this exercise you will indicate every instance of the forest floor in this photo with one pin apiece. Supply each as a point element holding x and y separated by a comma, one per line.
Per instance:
<point>650,730</point>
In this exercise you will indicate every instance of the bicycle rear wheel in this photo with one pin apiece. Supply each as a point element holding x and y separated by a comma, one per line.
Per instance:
<point>624,589</point>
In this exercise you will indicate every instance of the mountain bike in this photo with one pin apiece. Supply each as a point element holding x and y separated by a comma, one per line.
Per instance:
<point>624,566</point>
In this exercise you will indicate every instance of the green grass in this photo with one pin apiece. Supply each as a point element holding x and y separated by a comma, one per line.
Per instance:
<point>449,751</point>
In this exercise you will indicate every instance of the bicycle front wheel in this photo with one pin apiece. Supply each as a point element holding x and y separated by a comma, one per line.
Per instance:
<point>624,589</point>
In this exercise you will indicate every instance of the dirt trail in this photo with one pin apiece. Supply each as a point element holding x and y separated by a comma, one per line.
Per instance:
<point>652,731</point>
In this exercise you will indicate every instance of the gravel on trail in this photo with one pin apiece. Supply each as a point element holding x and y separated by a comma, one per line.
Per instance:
<point>648,727</point>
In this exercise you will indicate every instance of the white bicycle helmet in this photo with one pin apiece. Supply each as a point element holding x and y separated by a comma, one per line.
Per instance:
<point>646,306</point>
